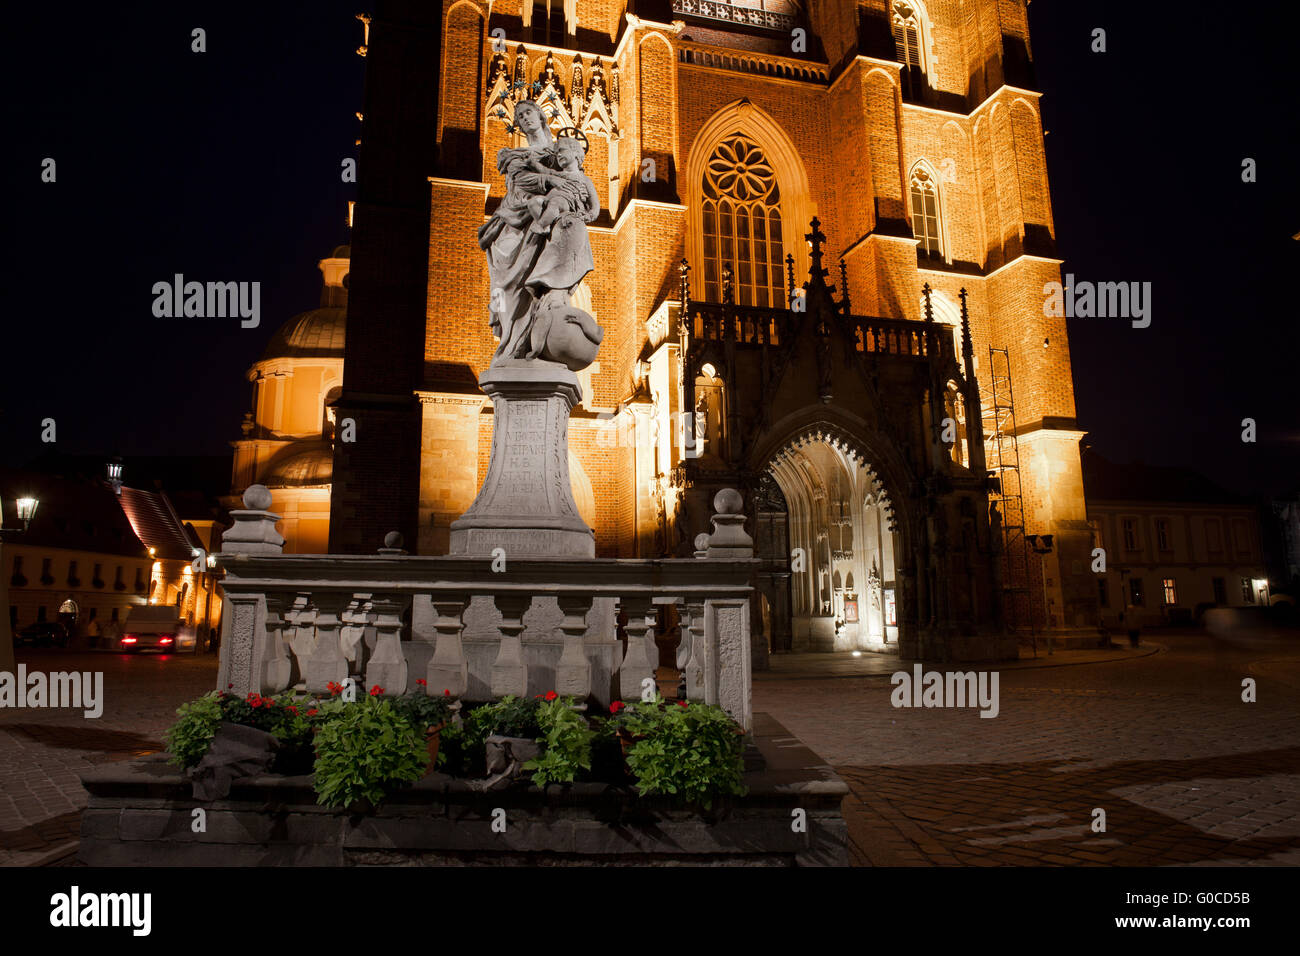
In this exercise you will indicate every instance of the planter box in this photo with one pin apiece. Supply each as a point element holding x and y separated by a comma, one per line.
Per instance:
<point>140,813</point>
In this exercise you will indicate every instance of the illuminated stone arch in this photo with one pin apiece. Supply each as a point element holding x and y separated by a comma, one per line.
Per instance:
<point>743,121</point>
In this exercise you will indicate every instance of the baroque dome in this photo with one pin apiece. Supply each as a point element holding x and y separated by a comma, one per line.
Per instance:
<point>313,465</point>
<point>319,333</point>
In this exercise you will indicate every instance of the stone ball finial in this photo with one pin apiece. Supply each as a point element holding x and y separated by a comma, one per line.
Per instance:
<point>394,540</point>
<point>257,498</point>
<point>702,541</point>
<point>728,502</point>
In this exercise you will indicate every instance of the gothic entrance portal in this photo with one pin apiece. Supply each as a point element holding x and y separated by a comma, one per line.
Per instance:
<point>825,532</point>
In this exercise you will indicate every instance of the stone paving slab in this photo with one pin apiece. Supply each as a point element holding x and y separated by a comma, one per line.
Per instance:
<point>1186,772</point>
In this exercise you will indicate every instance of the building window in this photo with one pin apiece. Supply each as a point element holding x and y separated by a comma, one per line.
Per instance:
<point>742,225</point>
<point>1240,536</point>
<point>1220,590</point>
<point>1162,534</point>
<point>925,212</point>
<point>1135,592</point>
<point>118,583</point>
<point>18,579</point>
<point>909,45</point>
<point>1103,593</point>
<point>73,580</point>
<point>98,579</point>
<point>40,613</point>
<point>1130,534</point>
<point>1247,592</point>
<point>1213,536</point>
<point>13,615</point>
<point>1171,593</point>
<point>114,617</point>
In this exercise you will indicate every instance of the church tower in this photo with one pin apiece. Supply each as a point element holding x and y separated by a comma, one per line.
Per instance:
<point>868,437</point>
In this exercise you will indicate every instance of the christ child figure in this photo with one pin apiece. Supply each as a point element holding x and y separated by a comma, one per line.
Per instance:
<point>571,190</point>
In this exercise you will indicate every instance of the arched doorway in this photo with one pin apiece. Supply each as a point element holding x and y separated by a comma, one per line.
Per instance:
<point>843,547</point>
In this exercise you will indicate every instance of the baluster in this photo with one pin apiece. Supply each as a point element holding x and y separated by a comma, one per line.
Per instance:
<point>387,666</point>
<point>327,663</point>
<point>697,662</point>
<point>449,668</point>
<point>573,672</point>
<point>509,673</point>
<point>638,662</point>
<point>276,667</point>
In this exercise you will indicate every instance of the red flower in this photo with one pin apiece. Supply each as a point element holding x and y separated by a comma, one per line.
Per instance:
<point>293,710</point>
<point>376,691</point>
<point>422,682</point>
<point>334,688</point>
<point>682,703</point>
<point>313,712</point>
<point>445,692</point>
<point>229,686</point>
<point>551,695</point>
<point>615,707</point>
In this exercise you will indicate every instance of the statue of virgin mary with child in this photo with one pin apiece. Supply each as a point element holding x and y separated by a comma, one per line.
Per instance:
<point>538,251</point>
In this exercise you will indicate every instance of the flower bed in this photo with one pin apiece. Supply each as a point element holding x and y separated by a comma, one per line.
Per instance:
<point>360,751</point>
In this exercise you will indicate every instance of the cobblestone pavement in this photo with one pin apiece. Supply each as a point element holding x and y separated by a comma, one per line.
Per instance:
<point>1185,771</point>
<point>43,752</point>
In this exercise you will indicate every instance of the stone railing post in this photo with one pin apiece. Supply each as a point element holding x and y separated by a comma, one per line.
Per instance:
<point>509,673</point>
<point>728,671</point>
<point>254,529</point>
<point>448,668</point>
<point>387,666</point>
<point>728,654</point>
<point>326,663</point>
<point>242,627</point>
<point>276,668</point>
<point>639,660</point>
<point>573,672</point>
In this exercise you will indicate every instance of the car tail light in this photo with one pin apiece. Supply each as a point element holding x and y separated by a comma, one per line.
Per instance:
<point>164,640</point>
<point>128,640</point>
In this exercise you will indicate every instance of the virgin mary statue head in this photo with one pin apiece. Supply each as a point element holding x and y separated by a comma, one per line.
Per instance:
<point>532,122</point>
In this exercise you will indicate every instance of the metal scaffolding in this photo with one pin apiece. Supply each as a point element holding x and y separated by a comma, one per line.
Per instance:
<point>1003,456</point>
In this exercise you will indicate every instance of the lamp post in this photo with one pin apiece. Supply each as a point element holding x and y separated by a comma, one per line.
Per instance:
<point>26,509</point>
<point>1042,546</point>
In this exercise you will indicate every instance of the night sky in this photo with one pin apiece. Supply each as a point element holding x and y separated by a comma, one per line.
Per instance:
<point>225,165</point>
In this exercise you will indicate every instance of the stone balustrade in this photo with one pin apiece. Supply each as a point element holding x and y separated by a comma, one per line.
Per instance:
<point>538,624</point>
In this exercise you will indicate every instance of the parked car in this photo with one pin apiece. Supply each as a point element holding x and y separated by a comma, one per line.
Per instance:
<point>43,634</point>
<point>155,627</point>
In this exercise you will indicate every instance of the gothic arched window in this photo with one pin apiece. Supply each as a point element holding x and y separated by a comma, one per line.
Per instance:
<point>909,45</point>
<point>925,212</point>
<point>742,224</point>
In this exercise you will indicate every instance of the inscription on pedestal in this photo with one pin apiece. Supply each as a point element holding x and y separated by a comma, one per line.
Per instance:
<point>525,456</point>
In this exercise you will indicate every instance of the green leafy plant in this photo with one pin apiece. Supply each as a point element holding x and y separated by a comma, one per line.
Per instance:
<point>423,710</point>
<point>364,750</point>
<point>510,717</point>
<point>690,750</point>
<point>189,738</point>
<point>565,740</point>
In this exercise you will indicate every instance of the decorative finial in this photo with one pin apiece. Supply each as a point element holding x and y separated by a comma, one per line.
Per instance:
<point>789,270</point>
<point>816,238</point>
<point>967,349</point>
<point>929,308</point>
<point>844,284</point>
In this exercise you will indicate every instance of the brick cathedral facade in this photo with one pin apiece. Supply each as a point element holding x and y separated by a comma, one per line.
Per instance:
<point>840,374</point>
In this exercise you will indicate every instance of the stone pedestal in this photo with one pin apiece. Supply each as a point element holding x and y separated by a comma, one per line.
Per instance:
<point>526,504</point>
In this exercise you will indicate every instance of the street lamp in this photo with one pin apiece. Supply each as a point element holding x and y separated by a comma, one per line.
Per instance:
<point>1042,546</point>
<point>26,509</point>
